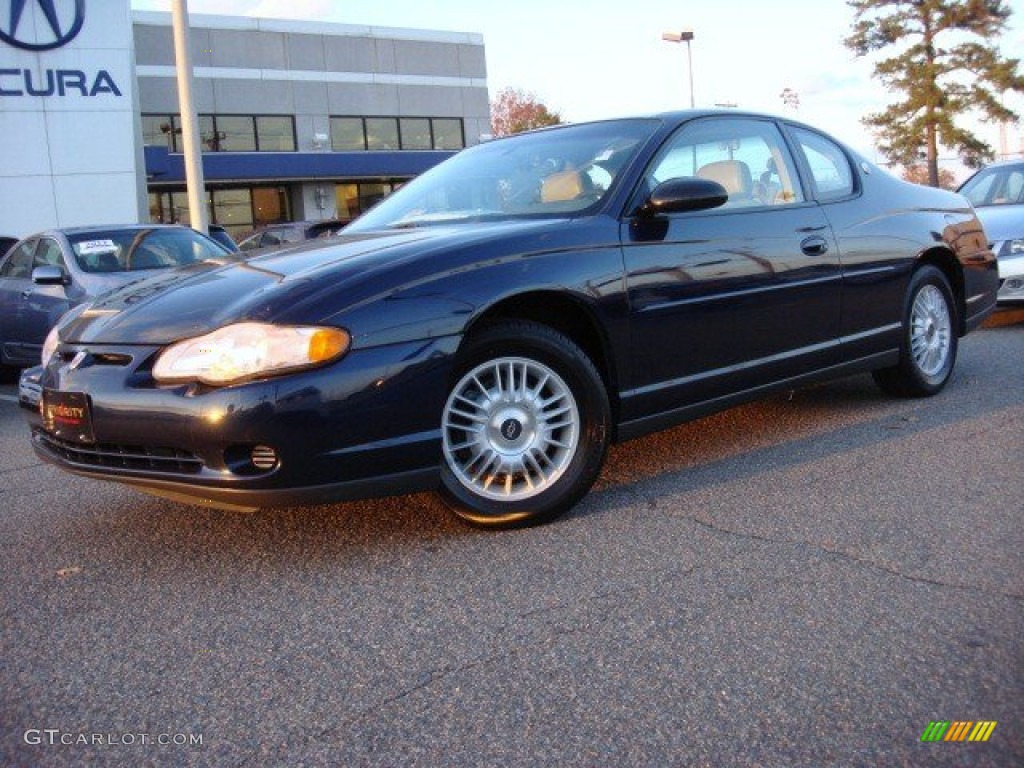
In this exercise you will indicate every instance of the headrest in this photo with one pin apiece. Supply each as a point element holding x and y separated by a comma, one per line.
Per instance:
<point>565,185</point>
<point>734,175</point>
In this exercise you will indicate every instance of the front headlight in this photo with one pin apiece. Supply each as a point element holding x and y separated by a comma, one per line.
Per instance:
<point>247,350</point>
<point>1013,247</point>
<point>50,345</point>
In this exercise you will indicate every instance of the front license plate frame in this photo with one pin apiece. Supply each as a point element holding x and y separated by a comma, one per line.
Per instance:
<point>67,415</point>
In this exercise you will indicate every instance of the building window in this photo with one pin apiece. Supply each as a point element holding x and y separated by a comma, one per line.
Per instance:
<point>275,134</point>
<point>354,198</point>
<point>171,208</point>
<point>232,208</point>
<point>225,133</point>
<point>239,209</point>
<point>415,133</point>
<point>156,131</point>
<point>269,205</point>
<point>234,133</point>
<point>382,133</point>
<point>353,134</point>
<point>448,133</point>
<point>347,134</point>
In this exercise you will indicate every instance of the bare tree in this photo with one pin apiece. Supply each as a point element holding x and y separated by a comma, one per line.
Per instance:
<point>514,111</point>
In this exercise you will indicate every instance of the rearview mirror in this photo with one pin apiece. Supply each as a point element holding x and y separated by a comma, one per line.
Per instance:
<point>50,275</point>
<point>688,193</point>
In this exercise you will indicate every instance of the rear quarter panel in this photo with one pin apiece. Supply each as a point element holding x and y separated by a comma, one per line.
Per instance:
<point>883,235</point>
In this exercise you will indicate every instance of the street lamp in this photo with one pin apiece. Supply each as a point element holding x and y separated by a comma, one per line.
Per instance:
<point>790,98</point>
<point>683,37</point>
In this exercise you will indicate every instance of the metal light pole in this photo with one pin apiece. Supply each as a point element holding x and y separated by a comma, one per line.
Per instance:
<point>683,37</point>
<point>194,181</point>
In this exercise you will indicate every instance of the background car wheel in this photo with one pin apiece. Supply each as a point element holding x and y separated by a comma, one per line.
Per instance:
<point>525,427</point>
<point>929,344</point>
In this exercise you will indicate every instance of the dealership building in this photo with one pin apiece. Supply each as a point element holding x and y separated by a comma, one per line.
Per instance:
<point>297,120</point>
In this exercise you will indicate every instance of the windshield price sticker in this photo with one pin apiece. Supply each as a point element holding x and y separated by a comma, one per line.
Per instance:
<point>96,246</point>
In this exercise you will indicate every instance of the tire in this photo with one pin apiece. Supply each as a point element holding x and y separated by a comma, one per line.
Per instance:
<point>524,429</point>
<point>929,338</point>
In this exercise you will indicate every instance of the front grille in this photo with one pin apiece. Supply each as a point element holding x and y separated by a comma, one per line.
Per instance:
<point>154,459</point>
<point>68,353</point>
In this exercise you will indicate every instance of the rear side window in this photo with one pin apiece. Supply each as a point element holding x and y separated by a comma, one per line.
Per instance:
<point>19,261</point>
<point>829,165</point>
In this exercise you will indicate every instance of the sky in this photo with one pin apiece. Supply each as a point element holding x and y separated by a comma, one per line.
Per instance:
<point>590,59</point>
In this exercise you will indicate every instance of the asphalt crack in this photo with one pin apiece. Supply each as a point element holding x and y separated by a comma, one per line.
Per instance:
<point>852,558</point>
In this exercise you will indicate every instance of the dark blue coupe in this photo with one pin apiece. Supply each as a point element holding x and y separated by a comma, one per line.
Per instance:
<point>489,328</point>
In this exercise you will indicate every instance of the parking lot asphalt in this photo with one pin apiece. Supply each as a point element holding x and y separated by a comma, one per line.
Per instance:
<point>809,580</point>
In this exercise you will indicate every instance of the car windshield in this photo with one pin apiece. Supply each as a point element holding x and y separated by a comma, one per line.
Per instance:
<point>553,172</point>
<point>129,250</point>
<point>1002,185</point>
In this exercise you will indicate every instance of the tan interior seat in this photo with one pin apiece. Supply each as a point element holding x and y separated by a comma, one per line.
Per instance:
<point>565,185</point>
<point>734,175</point>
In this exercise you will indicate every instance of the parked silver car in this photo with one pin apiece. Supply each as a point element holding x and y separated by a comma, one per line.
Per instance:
<point>274,235</point>
<point>997,193</point>
<point>43,276</point>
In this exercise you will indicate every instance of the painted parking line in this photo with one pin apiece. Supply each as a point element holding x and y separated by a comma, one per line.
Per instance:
<point>11,398</point>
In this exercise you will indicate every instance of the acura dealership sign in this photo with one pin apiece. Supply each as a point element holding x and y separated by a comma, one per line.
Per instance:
<point>70,152</point>
<point>59,82</point>
<point>57,31</point>
<point>61,23</point>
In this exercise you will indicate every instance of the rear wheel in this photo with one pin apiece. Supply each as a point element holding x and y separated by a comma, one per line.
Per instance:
<point>525,427</point>
<point>929,344</point>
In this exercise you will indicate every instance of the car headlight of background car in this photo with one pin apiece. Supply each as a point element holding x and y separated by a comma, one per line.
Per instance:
<point>247,350</point>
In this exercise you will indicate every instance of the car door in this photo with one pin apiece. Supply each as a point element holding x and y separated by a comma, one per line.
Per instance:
<point>723,301</point>
<point>15,282</point>
<point>43,305</point>
<point>874,279</point>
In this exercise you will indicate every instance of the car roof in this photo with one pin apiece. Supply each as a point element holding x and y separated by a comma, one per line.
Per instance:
<point>305,223</point>
<point>104,228</point>
<point>1004,163</point>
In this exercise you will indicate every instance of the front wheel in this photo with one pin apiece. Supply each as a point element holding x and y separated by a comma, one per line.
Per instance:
<point>929,344</point>
<point>524,429</point>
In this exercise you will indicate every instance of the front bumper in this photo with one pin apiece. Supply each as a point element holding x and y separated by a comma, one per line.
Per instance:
<point>1011,279</point>
<point>368,425</point>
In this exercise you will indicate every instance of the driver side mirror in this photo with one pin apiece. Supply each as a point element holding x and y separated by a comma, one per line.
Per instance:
<point>50,275</point>
<point>687,193</point>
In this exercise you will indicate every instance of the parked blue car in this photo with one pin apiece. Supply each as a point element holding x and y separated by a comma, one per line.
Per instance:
<point>45,275</point>
<point>488,329</point>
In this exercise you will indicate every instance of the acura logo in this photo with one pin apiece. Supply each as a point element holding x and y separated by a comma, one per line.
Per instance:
<point>54,29</point>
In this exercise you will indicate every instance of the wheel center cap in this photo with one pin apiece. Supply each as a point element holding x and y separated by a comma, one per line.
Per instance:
<point>511,429</point>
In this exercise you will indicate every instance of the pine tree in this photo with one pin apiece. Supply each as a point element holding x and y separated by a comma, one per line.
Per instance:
<point>947,66</point>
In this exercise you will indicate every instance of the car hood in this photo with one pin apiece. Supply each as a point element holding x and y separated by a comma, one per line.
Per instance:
<point>1002,222</point>
<point>98,283</point>
<point>188,302</point>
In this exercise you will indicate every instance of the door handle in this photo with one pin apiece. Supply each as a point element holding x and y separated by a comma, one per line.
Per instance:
<point>26,293</point>
<point>814,245</point>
